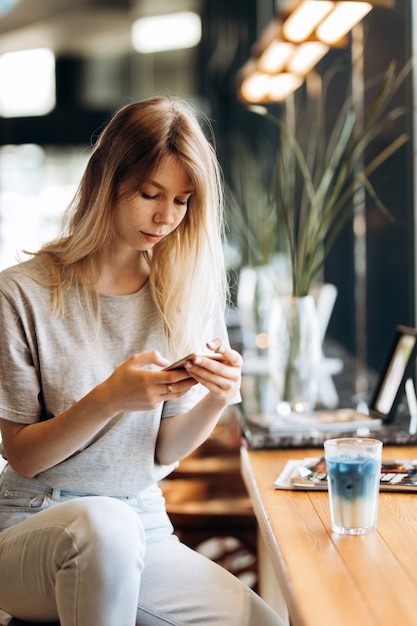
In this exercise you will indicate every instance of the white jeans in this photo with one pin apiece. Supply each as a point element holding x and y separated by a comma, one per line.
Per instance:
<point>105,561</point>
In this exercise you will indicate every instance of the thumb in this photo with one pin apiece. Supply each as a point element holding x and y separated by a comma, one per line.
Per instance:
<point>150,358</point>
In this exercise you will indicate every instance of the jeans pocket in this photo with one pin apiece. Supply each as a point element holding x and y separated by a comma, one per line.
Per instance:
<point>17,504</point>
<point>10,500</point>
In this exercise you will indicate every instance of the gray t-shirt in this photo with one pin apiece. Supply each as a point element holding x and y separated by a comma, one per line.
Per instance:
<point>47,363</point>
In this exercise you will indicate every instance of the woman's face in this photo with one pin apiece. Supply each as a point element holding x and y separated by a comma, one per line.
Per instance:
<point>154,211</point>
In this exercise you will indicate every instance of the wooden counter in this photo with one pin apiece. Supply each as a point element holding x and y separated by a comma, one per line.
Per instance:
<point>328,579</point>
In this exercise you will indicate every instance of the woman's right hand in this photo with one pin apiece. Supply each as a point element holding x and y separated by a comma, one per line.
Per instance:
<point>134,386</point>
<point>33,448</point>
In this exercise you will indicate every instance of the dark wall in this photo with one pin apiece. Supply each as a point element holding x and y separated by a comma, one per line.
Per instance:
<point>340,265</point>
<point>390,242</point>
<point>229,31</point>
<point>390,281</point>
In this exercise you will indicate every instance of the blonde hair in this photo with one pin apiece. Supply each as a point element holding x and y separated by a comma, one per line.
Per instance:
<point>187,268</point>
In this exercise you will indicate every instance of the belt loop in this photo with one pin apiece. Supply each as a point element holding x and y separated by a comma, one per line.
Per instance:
<point>56,494</point>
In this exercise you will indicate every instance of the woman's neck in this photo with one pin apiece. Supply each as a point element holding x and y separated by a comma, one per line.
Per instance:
<point>122,277</point>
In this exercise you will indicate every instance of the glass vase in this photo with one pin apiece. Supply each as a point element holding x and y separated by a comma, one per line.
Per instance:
<point>294,354</point>
<point>255,295</point>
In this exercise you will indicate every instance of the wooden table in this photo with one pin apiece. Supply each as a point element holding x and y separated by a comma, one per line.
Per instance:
<point>328,579</point>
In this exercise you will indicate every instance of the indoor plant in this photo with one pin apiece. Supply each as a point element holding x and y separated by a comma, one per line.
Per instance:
<point>315,180</point>
<point>311,194</point>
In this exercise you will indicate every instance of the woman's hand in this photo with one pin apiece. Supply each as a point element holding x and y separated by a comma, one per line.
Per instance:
<point>33,448</point>
<point>180,435</point>
<point>221,378</point>
<point>134,387</point>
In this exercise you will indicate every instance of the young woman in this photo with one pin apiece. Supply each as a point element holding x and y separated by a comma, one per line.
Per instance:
<point>90,419</point>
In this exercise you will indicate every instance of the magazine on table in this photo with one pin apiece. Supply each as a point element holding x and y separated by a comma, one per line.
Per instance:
<point>309,474</point>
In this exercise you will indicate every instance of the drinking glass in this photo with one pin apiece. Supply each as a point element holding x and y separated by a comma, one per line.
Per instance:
<point>353,467</point>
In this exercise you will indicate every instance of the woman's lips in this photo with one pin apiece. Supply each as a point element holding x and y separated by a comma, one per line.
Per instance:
<point>152,238</point>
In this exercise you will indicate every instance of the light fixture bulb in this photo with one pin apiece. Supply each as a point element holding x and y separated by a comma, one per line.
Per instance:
<point>255,87</point>
<point>341,20</point>
<point>282,85</point>
<point>166,32</point>
<point>304,20</point>
<point>276,56</point>
<point>306,56</point>
<point>27,79</point>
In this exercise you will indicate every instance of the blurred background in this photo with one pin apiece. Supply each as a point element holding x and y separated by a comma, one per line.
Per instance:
<point>67,65</point>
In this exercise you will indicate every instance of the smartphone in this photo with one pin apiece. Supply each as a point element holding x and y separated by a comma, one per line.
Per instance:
<point>181,362</point>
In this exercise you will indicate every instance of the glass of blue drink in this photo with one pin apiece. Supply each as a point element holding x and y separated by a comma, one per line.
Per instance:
<point>353,473</point>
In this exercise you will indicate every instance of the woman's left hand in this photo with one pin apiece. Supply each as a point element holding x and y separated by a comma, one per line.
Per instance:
<point>221,378</point>
<point>182,434</point>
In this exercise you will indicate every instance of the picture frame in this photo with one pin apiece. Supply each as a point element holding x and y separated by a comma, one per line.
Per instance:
<point>396,369</point>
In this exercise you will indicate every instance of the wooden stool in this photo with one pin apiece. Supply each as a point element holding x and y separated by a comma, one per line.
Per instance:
<point>207,502</point>
<point>220,525</point>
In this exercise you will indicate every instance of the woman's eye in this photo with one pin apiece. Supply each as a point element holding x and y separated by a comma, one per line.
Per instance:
<point>182,202</point>
<point>148,196</point>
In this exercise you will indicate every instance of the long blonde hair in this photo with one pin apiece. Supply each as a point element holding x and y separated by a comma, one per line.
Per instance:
<point>187,272</point>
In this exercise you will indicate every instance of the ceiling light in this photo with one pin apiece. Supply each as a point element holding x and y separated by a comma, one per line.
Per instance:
<point>166,32</point>
<point>259,88</point>
<point>276,56</point>
<point>341,20</point>
<point>306,56</point>
<point>255,87</point>
<point>27,78</point>
<point>329,20</point>
<point>303,21</point>
<point>282,85</point>
<point>294,42</point>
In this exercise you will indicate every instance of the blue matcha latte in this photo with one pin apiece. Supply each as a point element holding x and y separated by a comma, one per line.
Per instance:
<point>353,475</point>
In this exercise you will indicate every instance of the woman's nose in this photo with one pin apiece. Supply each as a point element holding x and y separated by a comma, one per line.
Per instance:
<point>165,214</point>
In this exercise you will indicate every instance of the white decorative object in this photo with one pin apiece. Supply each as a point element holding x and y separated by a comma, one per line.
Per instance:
<point>295,353</point>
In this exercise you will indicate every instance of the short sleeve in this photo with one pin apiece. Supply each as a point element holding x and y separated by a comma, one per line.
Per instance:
<point>20,391</point>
